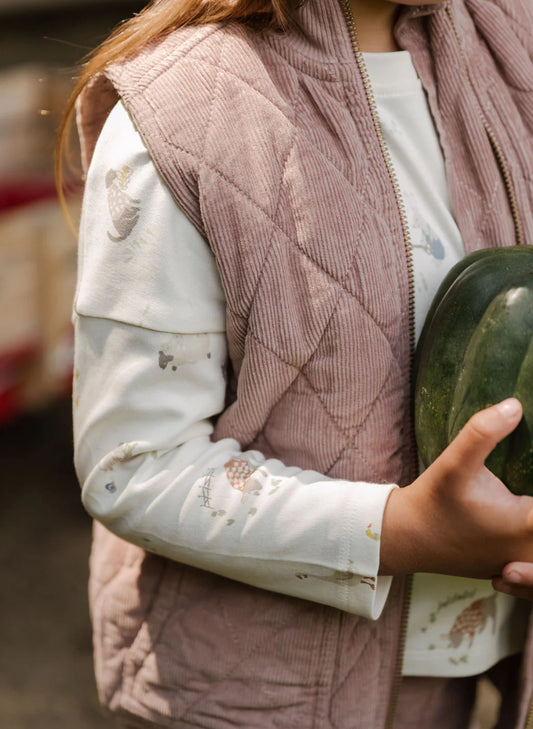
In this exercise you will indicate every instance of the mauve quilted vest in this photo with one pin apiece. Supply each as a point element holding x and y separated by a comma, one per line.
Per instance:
<point>269,146</point>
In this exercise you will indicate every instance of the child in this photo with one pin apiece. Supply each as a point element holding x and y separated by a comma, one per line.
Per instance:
<point>274,193</point>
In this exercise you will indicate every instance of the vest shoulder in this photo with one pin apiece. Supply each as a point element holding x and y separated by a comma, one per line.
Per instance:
<point>206,83</point>
<point>195,59</point>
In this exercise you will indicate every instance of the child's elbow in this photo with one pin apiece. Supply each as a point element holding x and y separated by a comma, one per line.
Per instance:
<point>100,499</point>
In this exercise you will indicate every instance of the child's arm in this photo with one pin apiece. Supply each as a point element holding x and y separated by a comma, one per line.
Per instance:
<point>150,473</point>
<point>458,518</point>
<point>149,377</point>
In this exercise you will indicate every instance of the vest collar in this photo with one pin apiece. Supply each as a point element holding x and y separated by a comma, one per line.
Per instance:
<point>319,40</point>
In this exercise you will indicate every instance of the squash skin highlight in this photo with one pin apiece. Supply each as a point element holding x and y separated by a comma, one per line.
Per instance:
<point>476,349</point>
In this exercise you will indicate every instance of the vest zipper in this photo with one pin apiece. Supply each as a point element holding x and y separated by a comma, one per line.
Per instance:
<point>519,234</point>
<point>496,147</point>
<point>519,231</point>
<point>395,690</point>
<point>352,30</point>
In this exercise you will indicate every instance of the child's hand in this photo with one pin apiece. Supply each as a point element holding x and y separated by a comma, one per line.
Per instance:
<point>457,518</point>
<point>516,579</point>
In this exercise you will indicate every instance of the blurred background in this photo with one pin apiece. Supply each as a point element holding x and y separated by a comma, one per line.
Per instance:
<point>46,678</point>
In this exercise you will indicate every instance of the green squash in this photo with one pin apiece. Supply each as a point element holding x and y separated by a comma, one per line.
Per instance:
<point>476,348</point>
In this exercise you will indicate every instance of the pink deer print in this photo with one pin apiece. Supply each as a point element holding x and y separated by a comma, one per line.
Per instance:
<point>471,620</point>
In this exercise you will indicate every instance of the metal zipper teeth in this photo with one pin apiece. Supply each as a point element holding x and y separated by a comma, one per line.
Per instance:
<point>390,168</point>
<point>496,147</point>
<point>411,305</point>
<point>352,30</point>
<point>395,691</point>
<point>529,719</point>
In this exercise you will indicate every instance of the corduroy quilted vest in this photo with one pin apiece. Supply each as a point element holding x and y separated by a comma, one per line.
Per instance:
<point>269,145</point>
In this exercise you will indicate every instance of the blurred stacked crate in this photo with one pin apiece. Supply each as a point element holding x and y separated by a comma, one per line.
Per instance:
<point>37,248</point>
<point>41,45</point>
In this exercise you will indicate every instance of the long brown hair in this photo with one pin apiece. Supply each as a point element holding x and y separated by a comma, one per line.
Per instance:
<point>158,19</point>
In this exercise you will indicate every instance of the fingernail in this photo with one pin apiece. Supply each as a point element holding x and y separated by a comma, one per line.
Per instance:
<point>510,407</point>
<point>513,576</point>
<point>501,586</point>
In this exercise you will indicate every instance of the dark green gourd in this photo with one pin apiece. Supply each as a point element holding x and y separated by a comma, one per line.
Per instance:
<point>476,348</point>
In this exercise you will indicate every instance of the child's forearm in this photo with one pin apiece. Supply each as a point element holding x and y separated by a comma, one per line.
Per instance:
<point>457,518</point>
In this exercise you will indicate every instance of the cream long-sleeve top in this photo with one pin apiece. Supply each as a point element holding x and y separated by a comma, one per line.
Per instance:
<point>150,356</point>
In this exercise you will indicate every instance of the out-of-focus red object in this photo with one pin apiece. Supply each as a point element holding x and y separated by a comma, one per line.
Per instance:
<point>17,192</point>
<point>12,368</point>
<point>37,248</point>
<point>38,261</point>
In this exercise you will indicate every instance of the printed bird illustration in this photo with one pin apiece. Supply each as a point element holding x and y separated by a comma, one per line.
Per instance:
<point>432,245</point>
<point>471,620</point>
<point>123,209</point>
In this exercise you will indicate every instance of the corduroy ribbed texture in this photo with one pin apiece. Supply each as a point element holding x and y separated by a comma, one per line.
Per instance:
<point>267,143</point>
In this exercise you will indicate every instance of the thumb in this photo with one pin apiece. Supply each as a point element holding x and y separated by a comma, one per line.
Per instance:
<point>466,454</point>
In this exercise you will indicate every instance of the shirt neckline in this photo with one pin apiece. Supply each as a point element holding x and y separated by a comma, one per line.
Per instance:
<point>392,74</point>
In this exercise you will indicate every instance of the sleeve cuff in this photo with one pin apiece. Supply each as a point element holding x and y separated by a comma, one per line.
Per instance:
<point>368,596</point>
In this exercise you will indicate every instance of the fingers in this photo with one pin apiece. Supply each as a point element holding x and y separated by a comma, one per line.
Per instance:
<point>468,451</point>
<point>516,580</point>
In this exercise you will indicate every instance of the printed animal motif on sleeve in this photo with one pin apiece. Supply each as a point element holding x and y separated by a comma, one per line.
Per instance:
<point>371,534</point>
<point>183,349</point>
<point>472,620</point>
<point>124,210</point>
<point>346,577</point>
<point>239,472</point>
<point>121,454</point>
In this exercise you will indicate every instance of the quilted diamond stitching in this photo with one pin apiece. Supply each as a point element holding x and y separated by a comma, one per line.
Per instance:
<point>213,100</point>
<point>156,72</point>
<point>349,442</point>
<point>348,677</point>
<point>522,27</point>
<point>341,283</point>
<point>251,651</point>
<point>283,111</point>
<point>246,82</point>
<point>293,103</point>
<point>262,210</point>
<point>352,445</point>
<point>331,417</point>
<point>272,218</point>
<point>276,211</point>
